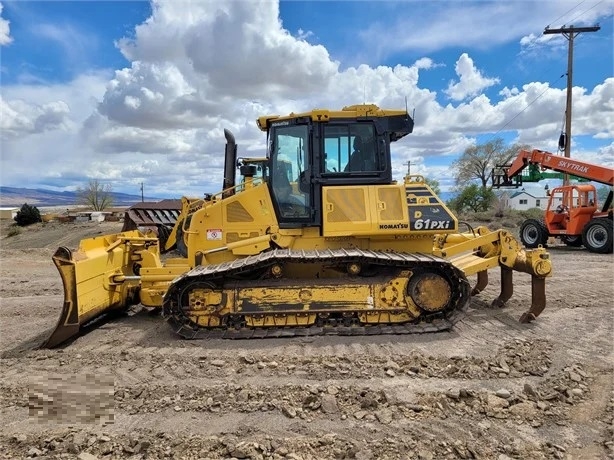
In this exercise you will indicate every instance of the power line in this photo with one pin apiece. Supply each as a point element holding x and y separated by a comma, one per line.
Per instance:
<point>527,106</point>
<point>582,14</point>
<point>568,11</point>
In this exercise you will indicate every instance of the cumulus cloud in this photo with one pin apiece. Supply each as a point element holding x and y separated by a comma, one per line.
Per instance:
<point>199,67</point>
<point>5,30</point>
<point>19,117</point>
<point>471,81</point>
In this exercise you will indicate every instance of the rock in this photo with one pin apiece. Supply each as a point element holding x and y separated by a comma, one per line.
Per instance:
<point>312,402</point>
<point>577,392</point>
<point>369,402</point>
<point>177,409</point>
<point>332,390</point>
<point>415,407</point>
<point>524,409</point>
<point>273,364</point>
<point>329,404</point>
<point>384,416</point>
<point>392,365</point>
<point>390,373</point>
<point>575,377</point>
<point>425,455</point>
<point>503,365</point>
<point>288,411</point>
<point>495,402</point>
<point>530,391</point>
<point>360,414</point>
<point>243,396</point>
<point>248,359</point>
<point>34,452</point>
<point>20,438</point>
<point>218,363</point>
<point>503,393</point>
<point>245,450</point>
<point>453,393</point>
<point>87,456</point>
<point>104,438</point>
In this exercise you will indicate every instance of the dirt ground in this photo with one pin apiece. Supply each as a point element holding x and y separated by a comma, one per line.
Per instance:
<point>490,389</point>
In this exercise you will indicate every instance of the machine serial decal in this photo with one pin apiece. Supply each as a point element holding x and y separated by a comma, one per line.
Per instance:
<point>428,224</point>
<point>430,218</point>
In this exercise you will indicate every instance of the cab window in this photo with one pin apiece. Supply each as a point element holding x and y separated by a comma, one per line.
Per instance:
<point>350,149</point>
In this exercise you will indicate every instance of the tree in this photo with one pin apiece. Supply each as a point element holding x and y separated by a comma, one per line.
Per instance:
<point>27,215</point>
<point>602,194</point>
<point>477,161</point>
<point>96,195</point>
<point>434,184</point>
<point>473,198</point>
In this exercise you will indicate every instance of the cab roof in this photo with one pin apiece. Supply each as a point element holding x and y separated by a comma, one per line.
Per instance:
<point>323,115</point>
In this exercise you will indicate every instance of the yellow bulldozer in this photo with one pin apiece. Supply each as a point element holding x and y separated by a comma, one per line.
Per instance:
<point>315,238</point>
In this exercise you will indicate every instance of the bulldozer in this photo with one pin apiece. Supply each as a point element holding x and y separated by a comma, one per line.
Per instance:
<point>315,237</point>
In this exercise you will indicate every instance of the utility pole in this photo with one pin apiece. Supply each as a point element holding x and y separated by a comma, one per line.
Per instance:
<point>142,196</point>
<point>569,33</point>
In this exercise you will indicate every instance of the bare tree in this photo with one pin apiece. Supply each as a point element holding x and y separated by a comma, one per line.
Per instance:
<point>96,195</point>
<point>477,161</point>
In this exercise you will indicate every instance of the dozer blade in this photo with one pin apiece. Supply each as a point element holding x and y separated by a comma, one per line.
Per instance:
<point>97,279</point>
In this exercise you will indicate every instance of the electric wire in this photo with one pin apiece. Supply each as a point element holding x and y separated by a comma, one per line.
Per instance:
<point>562,15</point>
<point>525,108</point>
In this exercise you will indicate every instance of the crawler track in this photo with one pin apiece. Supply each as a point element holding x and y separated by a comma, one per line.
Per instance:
<point>227,276</point>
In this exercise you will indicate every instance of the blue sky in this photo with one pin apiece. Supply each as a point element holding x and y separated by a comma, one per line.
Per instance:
<point>131,92</point>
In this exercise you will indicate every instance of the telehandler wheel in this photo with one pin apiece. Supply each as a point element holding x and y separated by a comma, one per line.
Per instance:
<point>574,241</point>
<point>533,233</point>
<point>597,236</point>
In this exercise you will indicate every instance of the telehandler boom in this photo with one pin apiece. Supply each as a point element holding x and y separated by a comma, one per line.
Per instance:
<point>316,238</point>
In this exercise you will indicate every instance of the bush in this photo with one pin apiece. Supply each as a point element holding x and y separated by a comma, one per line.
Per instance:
<point>533,213</point>
<point>27,215</point>
<point>13,231</point>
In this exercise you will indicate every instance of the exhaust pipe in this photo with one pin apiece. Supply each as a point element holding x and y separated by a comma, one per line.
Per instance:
<point>230,163</point>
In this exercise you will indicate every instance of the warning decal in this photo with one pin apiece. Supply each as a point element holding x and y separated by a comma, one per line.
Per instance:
<point>214,234</point>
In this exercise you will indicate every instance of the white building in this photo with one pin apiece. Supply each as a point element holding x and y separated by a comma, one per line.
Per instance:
<point>521,200</point>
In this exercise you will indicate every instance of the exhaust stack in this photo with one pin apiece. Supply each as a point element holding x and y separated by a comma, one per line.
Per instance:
<point>230,162</point>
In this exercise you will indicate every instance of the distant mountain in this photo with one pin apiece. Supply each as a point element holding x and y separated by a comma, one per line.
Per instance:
<point>14,196</point>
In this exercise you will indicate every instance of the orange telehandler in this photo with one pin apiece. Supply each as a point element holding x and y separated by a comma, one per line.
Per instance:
<point>573,213</point>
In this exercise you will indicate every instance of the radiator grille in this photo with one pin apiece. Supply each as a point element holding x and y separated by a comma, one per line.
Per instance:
<point>348,205</point>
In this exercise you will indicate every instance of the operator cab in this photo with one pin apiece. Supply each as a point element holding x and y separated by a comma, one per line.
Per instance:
<point>325,148</point>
